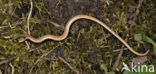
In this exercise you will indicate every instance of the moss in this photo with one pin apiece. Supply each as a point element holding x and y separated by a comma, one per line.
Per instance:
<point>86,47</point>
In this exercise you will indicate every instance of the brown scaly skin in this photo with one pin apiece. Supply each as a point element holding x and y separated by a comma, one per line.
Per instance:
<point>66,31</point>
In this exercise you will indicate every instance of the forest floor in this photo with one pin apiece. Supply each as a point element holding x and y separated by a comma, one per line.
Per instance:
<point>89,48</point>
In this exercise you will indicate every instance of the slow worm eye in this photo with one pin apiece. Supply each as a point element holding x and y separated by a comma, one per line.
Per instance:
<point>22,39</point>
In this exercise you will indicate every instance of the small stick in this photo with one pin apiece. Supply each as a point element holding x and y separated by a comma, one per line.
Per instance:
<point>12,67</point>
<point>29,16</point>
<point>43,56</point>
<point>12,58</point>
<point>72,68</point>
<point>56,25</point>
<point>119,56</point>
<point>31,3</point>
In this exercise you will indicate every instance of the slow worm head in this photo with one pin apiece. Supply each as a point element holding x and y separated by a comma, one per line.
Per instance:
<point>66,31</point>
<point>22,39</point>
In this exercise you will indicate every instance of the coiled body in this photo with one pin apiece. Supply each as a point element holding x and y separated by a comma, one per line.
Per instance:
<point>67,28</point>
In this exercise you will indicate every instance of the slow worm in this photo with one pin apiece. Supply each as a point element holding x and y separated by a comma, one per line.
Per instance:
<point>66,31</point>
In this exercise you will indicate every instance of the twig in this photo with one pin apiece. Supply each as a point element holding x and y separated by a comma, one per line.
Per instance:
<point>5,26</point>
<point>72,68</point>
<point>10,26</point>
<point>58,57</point>
<point>134,15</point>
<point>12,58</point>
<point>31,3</point>
<point>6,68</point>
<point>44,20</point>
<point>0,71</point>
<point>12,67</point>
<point>119,56</point>
<point>56,25</point>
<point>138,9</point>
<point>45,54</point>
